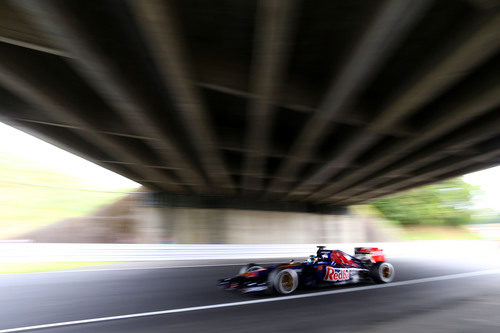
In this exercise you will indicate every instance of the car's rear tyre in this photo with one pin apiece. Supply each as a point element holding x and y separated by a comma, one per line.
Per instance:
<point>249,268</point>
<point>382,272</point>
<point>286,281</point>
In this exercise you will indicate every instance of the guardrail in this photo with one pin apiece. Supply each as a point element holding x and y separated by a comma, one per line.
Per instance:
<point>44,252</point>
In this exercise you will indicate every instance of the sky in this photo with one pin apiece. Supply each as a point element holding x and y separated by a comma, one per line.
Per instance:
<point>19,143</point>
<point>489,180</point>
<point>93,176</point>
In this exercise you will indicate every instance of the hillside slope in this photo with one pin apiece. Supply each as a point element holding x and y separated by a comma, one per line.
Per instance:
<point>33,196</point>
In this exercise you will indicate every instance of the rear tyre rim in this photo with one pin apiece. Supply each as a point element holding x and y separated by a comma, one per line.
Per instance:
<point>386,272</point>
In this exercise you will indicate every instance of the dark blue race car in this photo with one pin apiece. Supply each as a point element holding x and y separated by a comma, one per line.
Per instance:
<point>327,267</point>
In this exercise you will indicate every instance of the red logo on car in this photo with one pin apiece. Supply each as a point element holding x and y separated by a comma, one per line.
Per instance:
<point>336,274</point>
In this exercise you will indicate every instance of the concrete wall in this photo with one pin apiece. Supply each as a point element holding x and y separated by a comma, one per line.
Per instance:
<point>232,226</point>
<point>129,221</point>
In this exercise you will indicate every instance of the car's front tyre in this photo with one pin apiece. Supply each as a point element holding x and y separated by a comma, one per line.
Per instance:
<point>286,281</point>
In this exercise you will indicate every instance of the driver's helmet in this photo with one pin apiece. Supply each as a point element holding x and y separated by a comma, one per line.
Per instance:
<point>312,259</point>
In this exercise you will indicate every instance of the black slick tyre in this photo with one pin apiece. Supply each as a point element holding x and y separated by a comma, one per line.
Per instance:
<point>382,272</point>
<point>285,281</point>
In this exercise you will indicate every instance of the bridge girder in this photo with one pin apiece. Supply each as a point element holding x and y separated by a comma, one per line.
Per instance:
<point>321,102</point>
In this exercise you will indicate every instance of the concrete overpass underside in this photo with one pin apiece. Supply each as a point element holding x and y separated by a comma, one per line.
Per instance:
<point>309,103</point>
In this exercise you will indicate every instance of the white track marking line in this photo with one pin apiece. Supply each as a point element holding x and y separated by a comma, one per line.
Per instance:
<point>266,300</point>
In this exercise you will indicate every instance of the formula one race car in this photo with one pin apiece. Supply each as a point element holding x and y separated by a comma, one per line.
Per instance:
<point>327,267</point>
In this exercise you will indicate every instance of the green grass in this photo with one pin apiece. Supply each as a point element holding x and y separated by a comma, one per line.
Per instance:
<point>25,205</point>
<point>438,233</point>
<point>418,232</point>
<point>32,267</point>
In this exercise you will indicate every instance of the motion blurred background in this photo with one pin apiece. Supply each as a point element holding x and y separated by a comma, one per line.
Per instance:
<point>60,213</point>
<point>49,195</point>
<point>151,147</point>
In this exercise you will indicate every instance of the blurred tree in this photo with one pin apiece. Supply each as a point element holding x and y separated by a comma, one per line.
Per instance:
<point>446,203</point>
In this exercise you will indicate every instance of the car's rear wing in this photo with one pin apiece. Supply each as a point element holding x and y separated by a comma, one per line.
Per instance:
<point>374,254</point>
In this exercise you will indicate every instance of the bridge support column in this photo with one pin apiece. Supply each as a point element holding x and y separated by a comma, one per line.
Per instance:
<point>182,220</point>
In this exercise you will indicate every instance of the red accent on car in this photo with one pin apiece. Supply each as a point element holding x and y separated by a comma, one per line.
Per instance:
<point>336,274</point>
<point>340,258</point>
<point>377,256</point>
<point>375,253</point>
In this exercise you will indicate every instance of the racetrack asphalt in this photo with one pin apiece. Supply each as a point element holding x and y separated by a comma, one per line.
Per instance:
<point>452,303</point>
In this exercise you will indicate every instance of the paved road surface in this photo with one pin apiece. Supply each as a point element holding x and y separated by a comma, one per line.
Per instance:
<point>463,303</point>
